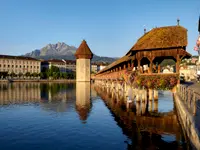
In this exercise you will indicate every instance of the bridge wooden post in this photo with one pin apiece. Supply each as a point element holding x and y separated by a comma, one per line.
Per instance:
<point>177,63</point>
<point>159,69</point>
<point>150,66</point>
<point>139,59</point>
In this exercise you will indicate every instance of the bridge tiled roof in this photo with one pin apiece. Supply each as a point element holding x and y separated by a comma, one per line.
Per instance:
<point>18,57</point>
<point>162,37</point>
<point>115,63</point>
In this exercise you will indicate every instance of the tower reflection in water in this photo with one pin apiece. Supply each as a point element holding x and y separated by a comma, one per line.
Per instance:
<point>142,122</point>
<point>83,102</point>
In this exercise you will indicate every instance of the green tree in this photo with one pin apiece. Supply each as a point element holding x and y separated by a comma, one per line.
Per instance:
<point>42,75</point>
<point>28,74</point>
<point>34,74</point>
<point>12,74</point>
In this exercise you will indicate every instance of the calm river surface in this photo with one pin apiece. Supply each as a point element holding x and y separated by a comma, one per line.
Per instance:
<point>66,116</point>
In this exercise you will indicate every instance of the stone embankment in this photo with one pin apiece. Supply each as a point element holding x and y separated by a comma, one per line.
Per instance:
<point>188,111</point>
<point>40,80</point>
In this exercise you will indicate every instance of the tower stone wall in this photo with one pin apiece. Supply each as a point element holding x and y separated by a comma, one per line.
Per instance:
<point>83,69</point>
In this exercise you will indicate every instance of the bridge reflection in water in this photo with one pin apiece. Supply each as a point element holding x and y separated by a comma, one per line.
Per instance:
<point>142,122</point>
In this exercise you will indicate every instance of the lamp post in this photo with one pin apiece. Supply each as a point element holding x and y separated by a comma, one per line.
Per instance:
<point>198,41</point>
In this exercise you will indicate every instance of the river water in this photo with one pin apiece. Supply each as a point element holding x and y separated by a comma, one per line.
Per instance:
<point>69,116</point>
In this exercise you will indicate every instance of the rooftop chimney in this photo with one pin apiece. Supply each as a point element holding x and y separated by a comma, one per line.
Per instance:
<point>178,21</point>
<point>145,30</point>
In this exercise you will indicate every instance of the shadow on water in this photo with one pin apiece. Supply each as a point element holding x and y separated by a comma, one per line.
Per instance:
<point>143,123</point>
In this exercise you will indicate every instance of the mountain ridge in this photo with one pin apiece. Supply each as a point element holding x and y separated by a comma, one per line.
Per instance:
<point>61,50</point>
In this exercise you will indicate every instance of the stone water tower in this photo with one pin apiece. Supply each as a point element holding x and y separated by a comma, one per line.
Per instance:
<point>83,65</point>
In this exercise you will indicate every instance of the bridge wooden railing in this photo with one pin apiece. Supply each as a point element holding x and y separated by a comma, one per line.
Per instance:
<point>191,99</point>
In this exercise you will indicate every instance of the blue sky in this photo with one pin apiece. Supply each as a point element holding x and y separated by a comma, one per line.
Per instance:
<point>110,27</point>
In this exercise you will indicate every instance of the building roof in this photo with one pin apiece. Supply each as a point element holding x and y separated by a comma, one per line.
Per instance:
<point>162,37</point>
<point>83,51</point>
<point>18,57</point>
<point>60,61</point>
<point>117,62</point>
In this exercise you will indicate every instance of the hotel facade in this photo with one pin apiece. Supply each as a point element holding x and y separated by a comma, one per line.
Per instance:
<point>19,64</point>
<point>63,65</point>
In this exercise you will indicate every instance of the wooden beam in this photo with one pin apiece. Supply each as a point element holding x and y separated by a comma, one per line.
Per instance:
<point>124,66</point>
<point>159,69</point>
<point>150,66</point>
<point>139,65</point>
<point>177,63</point>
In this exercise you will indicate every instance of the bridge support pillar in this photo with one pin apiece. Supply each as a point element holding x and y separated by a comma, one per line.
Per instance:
<point>150,106</point>
<point>142,92</point>
<point>143,107</point>
<point>155,93</point>
<point>155,106</point>
<point>137,96</point>
<point>150,94</point>
<point>138,108</point>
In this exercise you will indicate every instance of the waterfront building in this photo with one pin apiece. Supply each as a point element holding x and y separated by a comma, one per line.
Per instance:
<point>97,66</point>
<point>101,66</point>
<point>19,64</point>
<point>189,72</point>
<point>94,67</point>
<point>63,65</point>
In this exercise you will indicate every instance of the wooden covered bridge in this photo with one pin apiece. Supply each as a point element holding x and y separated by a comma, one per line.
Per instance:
<point>148,52</point>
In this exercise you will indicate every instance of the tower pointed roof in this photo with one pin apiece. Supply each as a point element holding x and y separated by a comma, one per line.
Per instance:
<point>83,51</point>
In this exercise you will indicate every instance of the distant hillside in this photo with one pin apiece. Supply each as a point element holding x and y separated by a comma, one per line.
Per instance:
<point>62,51</point>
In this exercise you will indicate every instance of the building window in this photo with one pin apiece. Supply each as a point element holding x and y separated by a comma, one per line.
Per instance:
<point>12,66</point>
<point>20,66</point>
<point>4,65</point>
<point>34,66</point>
<point>8,66</point>
<point>16,66</point>
<point>31,66</point>
<point>38,67</point>
<point>0,65</point>
<point>24,66</point>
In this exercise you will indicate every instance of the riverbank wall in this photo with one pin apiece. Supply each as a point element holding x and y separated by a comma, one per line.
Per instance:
<point>187,122</point>
<point>31,80</point>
